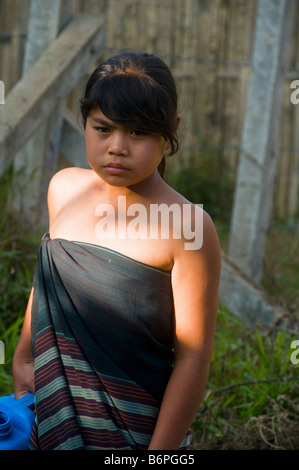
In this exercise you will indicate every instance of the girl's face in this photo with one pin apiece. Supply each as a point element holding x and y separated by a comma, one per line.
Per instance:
<point>119,154</point>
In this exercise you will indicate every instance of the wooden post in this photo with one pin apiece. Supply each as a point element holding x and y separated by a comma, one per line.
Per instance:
<point>31,162</point>
<point>257,159</point>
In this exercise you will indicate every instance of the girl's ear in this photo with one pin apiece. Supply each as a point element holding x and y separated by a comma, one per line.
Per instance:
<point>177,121</point>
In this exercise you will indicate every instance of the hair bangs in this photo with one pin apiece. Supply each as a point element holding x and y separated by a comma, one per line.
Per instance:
<point>131,99</point>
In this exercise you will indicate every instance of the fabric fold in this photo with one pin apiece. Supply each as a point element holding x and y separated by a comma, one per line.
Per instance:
<point>102,339</point>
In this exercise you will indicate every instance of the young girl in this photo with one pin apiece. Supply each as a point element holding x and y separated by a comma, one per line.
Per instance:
<point>119,327</point>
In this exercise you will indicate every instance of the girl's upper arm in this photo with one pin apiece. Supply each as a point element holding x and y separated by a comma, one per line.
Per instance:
<point>23,350</point>
<point>195,282</point>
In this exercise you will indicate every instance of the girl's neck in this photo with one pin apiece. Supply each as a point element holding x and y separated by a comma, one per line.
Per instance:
<point>145,189</point>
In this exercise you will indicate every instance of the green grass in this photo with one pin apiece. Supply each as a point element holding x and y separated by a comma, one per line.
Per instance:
<point>281,273</point>
<point>17,261</point>
<point>252,383</point>
<point>205,182</point>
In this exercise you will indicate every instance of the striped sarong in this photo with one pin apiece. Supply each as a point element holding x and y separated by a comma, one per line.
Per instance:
<point>102,339</point>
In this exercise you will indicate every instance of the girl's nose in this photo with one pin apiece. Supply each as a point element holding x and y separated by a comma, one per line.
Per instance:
<point>118,144</point>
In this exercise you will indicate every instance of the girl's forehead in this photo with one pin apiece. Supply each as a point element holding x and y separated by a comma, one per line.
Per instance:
<point>97,116</point>
<point>97,113</point>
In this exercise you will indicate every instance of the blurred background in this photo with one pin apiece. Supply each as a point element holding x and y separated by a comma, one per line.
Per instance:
<point>208,45</point>
<point>209,48</point>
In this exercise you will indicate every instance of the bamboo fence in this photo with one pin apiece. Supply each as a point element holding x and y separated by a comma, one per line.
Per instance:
<point>208,45</point>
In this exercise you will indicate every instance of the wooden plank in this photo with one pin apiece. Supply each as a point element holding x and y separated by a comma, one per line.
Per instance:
<point>50,79</point>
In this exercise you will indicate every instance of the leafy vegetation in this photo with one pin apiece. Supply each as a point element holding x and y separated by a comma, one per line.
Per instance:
<point>205,182</point>
<point>17,262</point>
<point>251,401</point>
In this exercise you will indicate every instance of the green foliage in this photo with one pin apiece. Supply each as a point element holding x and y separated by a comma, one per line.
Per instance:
<point>252,382</point>
<point>17,261</point>
<point>10,339</point>
<point>281,273</point>
<point>206,181</point>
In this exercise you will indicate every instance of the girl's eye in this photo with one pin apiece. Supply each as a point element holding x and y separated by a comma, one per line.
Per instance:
<point>138,133</point>
<point>102,130</point>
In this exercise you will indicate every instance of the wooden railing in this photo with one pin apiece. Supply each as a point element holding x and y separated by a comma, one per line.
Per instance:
<point>47,83</point>
<point>35,110</point>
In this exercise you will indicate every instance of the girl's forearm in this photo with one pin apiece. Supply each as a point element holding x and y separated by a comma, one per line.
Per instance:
<point>23,361</point>
<point>179,406</point>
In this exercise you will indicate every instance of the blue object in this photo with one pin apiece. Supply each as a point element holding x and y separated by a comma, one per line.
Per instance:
<point>16,421</point>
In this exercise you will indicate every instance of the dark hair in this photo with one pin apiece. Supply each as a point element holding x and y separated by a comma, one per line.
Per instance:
<point>138,89</point>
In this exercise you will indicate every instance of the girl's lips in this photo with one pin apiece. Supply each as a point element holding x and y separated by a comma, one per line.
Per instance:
<point>116,168</point>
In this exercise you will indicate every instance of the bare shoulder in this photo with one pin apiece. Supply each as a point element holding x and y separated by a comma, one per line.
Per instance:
<point>67,175</point>
<point>64,185</point>
<point>198,221</point>
<point>199,244</point>
<point>198,253</point>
